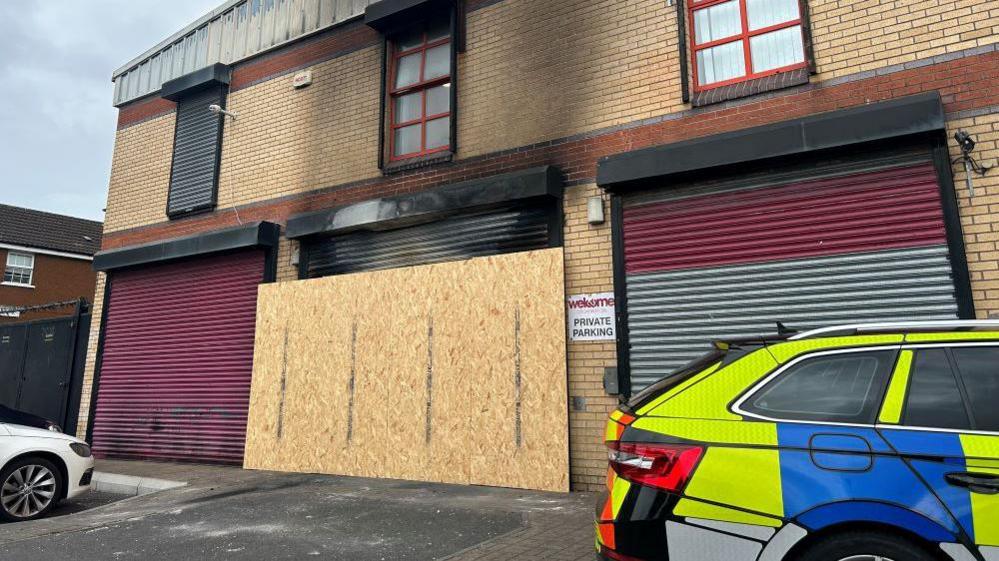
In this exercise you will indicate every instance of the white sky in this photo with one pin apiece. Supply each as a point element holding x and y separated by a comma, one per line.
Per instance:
<point>56,120</point>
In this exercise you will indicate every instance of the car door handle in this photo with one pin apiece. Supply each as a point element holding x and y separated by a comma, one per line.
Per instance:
<point>982,483</point>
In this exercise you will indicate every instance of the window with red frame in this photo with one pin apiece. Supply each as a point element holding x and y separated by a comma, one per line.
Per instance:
<point>420,91</point>
<point>739,40</point>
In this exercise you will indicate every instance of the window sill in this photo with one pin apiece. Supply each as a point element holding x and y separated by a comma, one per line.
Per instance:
<point>419,162</point>
<point>17,285</point>
<point>749,88</point>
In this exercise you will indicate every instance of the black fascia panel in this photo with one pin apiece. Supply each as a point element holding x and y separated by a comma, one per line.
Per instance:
<point>215,75</point>
<point>426,206</point>
<point>875,121</point>
<point>257,234</point>
<point>389,16</point>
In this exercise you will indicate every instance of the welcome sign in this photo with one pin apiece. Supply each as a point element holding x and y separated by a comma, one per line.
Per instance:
<point>591,317</point>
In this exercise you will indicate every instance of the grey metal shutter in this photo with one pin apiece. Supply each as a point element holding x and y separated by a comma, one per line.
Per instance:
<point>510,230</point>
<point>196,151</point>
<point>863,244</point>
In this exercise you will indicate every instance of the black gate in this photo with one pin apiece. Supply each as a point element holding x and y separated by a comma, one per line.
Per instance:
<point>41,366</point>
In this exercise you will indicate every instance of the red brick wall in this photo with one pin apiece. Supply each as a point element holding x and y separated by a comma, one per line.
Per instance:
<point>55,279</point>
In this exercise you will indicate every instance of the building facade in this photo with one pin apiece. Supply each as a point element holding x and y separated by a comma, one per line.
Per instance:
<point>47,259</point>
<point>718,166</point>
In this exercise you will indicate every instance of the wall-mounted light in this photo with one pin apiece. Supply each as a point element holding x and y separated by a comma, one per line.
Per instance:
<point>595,210</point>
<point>967,143</point>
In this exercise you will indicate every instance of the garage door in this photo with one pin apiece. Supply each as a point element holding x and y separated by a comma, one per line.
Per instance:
<point>708,263</point>
<point>177,360</point>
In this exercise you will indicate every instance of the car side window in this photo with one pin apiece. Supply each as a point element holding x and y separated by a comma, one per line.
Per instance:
<point>842,388</point>
<point>979,369</point>
<point>934,399</point>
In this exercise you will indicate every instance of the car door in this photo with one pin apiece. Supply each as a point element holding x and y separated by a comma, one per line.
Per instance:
<point>940,416</point>
<point>835,465</point>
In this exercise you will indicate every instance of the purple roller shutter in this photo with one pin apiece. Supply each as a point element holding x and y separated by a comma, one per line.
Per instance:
<point>177,360</point>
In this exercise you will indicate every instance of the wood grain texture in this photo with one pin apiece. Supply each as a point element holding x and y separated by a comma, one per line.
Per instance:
<point>473,345</point>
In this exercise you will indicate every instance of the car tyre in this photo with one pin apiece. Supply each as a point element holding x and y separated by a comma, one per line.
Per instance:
<point>865,546</point>
<point>29,488</point>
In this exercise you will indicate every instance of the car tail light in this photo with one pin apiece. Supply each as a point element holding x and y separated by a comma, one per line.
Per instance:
<point>663,466</point>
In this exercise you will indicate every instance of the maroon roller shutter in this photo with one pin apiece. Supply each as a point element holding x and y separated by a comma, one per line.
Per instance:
<point>177,360</point>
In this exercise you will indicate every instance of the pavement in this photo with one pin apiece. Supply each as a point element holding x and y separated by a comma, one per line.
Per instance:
<point>233,514</point>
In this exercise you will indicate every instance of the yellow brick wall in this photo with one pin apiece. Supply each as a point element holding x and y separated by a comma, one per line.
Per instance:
<point>535,70</point>
<point>140,174</point>
<point>88,367</point>
<point>851,36</point>
<point>588,270</point>
<point>980,215</point>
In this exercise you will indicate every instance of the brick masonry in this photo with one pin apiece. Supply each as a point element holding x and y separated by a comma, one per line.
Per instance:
<point>55,279</point>
<point>561,82</point>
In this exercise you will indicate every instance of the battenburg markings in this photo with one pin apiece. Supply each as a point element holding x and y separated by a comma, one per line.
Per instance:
<point>284,383</point>
<point>353,377</point>
<point>516,374</point>
<point>430,377</point>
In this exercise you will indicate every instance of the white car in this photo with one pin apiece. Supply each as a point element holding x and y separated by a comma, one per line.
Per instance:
<point>40,466</point>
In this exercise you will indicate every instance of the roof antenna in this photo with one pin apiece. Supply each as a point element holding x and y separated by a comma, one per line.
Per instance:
<point>783,330</point>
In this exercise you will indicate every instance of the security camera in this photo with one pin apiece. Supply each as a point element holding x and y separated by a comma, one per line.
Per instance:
<point>965,141</point>
<point>217,109</point>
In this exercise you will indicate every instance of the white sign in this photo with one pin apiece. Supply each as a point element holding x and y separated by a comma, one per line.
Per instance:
<point>591,317</point>
<point>302,79</point>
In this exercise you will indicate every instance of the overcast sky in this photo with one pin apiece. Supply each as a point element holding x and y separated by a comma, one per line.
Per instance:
<point>56,120</point>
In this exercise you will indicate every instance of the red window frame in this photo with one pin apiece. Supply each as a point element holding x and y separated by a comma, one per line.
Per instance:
<point>422,86</point>
<point>744,36</point>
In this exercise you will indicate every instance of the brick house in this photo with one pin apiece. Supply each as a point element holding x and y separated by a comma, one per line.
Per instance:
<point>717,165</point>
<point>47,259</point>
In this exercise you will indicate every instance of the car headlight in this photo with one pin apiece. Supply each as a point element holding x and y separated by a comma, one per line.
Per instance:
<point>54,427</point>
<point>81,449</point>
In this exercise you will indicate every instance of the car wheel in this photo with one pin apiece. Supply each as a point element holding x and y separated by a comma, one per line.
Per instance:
<point>865,546</point>
<point>29,488</point>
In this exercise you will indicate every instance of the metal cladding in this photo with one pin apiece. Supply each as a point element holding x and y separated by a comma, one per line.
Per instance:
<point>521,228</point>
<point>236,30</point>
<point>177,360</point>
<point>857,247</point>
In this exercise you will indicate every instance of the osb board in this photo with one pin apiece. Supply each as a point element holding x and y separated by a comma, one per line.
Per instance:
<point>451,373</point>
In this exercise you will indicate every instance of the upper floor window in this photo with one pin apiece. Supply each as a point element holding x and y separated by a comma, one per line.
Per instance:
<point>740,40</point>
<point>420,90</point>
<point>20,268</point>
<point>843,388</point>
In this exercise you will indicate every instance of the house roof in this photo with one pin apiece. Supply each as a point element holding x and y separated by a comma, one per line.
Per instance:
<point>44,230</point>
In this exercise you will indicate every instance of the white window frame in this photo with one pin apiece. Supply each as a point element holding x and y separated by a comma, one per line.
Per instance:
<point>9,266</point>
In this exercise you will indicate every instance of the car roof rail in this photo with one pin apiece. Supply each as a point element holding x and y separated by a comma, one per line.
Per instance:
<point>896,327</point>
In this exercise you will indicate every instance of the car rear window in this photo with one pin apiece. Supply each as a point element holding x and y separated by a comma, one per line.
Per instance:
<point>844,388</point>
<point>979,367</point>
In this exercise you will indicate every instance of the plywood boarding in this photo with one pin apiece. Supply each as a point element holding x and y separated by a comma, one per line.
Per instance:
<point>452,372</point>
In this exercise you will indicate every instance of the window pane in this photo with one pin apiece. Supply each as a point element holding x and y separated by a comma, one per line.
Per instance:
<point>438,133</point>
<point>407,140</point>
<point>407,71</point>
<point>980,372</point>
<point>439,100</point>
<point>777,49</point>
<point>934,400</point>
<point>408,108</point>
<point>438,62</point>
<point>717,22</point>
<point>409,39</point>
<point>720,63</point>
<point>841,388</point>
<point>438,29</point>
<point>764,13</point>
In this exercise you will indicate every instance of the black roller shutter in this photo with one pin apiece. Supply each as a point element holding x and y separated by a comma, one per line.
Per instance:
<point>507,230</point>
<point>196,151</point>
